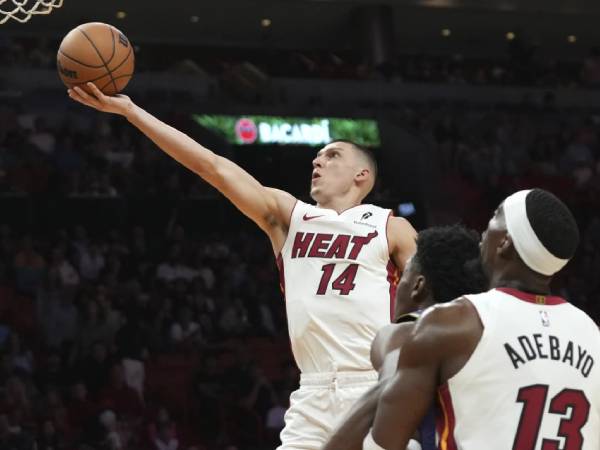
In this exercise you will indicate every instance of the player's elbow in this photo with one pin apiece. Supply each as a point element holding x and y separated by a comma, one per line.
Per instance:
<point>212,169</point>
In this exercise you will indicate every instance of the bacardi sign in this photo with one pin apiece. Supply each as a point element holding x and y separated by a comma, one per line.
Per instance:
<point>291,130</point>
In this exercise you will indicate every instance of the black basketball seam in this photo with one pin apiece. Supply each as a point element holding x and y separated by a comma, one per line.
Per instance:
<point>99,56</point>
<point>120,76</point>
<point>113,44</point>
<point>124,60</point>
<point>103,75</point>
<point>79,62</point>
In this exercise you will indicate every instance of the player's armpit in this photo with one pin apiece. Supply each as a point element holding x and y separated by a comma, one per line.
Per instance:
<point>402,239</point>
<point>441,342</point>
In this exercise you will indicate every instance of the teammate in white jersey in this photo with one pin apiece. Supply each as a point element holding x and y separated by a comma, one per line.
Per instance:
<point>333,257</point>
<point>513,368</point>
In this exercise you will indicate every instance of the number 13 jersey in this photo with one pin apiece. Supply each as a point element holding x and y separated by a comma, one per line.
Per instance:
<point>339,283</point>
<point>532,383</point>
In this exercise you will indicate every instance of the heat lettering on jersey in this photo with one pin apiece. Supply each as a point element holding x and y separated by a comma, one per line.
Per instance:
<point>330,246</point>
<point>539,346</point>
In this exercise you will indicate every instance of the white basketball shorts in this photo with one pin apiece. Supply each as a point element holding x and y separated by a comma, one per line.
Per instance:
<point>316,407</point>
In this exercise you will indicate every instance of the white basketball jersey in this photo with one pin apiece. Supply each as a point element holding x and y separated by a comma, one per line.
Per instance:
<point>338,278</point>
<point>532,383</point>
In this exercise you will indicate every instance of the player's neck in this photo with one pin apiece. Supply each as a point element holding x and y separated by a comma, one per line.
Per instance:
<point>526,282</point>
<point>340,204</point>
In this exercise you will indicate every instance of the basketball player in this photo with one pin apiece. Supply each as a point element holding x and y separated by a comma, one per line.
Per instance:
<point>337,261</point>
<point>515,367</point>
<point>445,266</point>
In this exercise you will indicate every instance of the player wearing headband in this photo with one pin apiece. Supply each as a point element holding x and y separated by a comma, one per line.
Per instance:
<point>513,368</point>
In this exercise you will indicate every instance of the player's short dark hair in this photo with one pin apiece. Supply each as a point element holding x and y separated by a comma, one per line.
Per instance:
<point>365,151</point>
<point>449,259</point>
<point>553,223</point>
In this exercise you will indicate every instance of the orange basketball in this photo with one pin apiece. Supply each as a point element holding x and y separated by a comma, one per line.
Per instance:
<point>96,52</point>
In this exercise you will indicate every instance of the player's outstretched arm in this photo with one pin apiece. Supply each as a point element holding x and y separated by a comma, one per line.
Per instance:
<point>269,208</point>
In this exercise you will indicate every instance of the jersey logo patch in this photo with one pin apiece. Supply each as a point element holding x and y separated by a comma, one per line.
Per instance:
<point>366,215</point>
<point>545,318</point>
<point>307,217</point>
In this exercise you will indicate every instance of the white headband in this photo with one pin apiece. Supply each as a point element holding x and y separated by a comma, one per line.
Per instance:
<point>530,249</point>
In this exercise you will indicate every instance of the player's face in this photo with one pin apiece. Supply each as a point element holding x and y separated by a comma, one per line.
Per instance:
<point>407,289</point>
<point>492,239</point>
<point>334,170</point>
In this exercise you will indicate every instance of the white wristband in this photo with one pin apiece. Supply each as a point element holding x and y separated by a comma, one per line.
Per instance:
<point>370,444</point>
<point>413,445</point>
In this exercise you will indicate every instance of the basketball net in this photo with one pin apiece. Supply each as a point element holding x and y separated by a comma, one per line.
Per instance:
<point>22,10</point>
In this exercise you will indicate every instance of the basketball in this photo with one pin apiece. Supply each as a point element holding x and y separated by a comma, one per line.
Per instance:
<point>96,52</point>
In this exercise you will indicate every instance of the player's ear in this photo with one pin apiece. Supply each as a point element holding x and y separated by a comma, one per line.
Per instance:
<point>506,248</point>
<point>362,175</point>
<point>419,289</point>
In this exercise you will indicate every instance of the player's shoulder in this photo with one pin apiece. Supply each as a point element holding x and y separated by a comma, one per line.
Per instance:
<point>399,226</point>
<point>387,339</point>
<point>447,322</point>
<point>443,331</point>
<point>453,311</point>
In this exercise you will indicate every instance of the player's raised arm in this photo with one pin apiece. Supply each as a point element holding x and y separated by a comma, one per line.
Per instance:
<point>269,208</point>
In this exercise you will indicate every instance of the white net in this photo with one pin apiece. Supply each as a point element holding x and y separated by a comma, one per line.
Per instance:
<point>22,10</point>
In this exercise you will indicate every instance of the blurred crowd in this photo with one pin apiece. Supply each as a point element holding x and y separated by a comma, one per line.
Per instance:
<point>522,64</point>
<point>127,340</point>
<point>84,156</point>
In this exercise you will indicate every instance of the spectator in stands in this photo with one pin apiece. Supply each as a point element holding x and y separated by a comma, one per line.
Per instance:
<point>29,266</point>
<point>274,422</point>
<point>185,331</point>
<point>94,368</point>
<point>120,398</point>
<point>590,73</point>
<point>174,267</point>
<point>162,432</point>
<point>63,268</point>
<point>81,410</point>
<point>21,356</point>
<point>56,311</point>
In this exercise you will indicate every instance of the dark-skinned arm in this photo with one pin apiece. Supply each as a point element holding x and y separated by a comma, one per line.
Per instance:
<point>352,430</point>
<point>442,341</point>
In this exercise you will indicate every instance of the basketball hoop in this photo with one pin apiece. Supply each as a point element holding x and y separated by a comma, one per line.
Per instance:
<point>22,10</point>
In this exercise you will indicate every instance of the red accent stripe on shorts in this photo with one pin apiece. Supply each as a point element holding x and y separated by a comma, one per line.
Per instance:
<point>446,421</point>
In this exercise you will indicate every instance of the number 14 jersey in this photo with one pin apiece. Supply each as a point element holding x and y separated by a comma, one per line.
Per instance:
<point>339,283</point>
